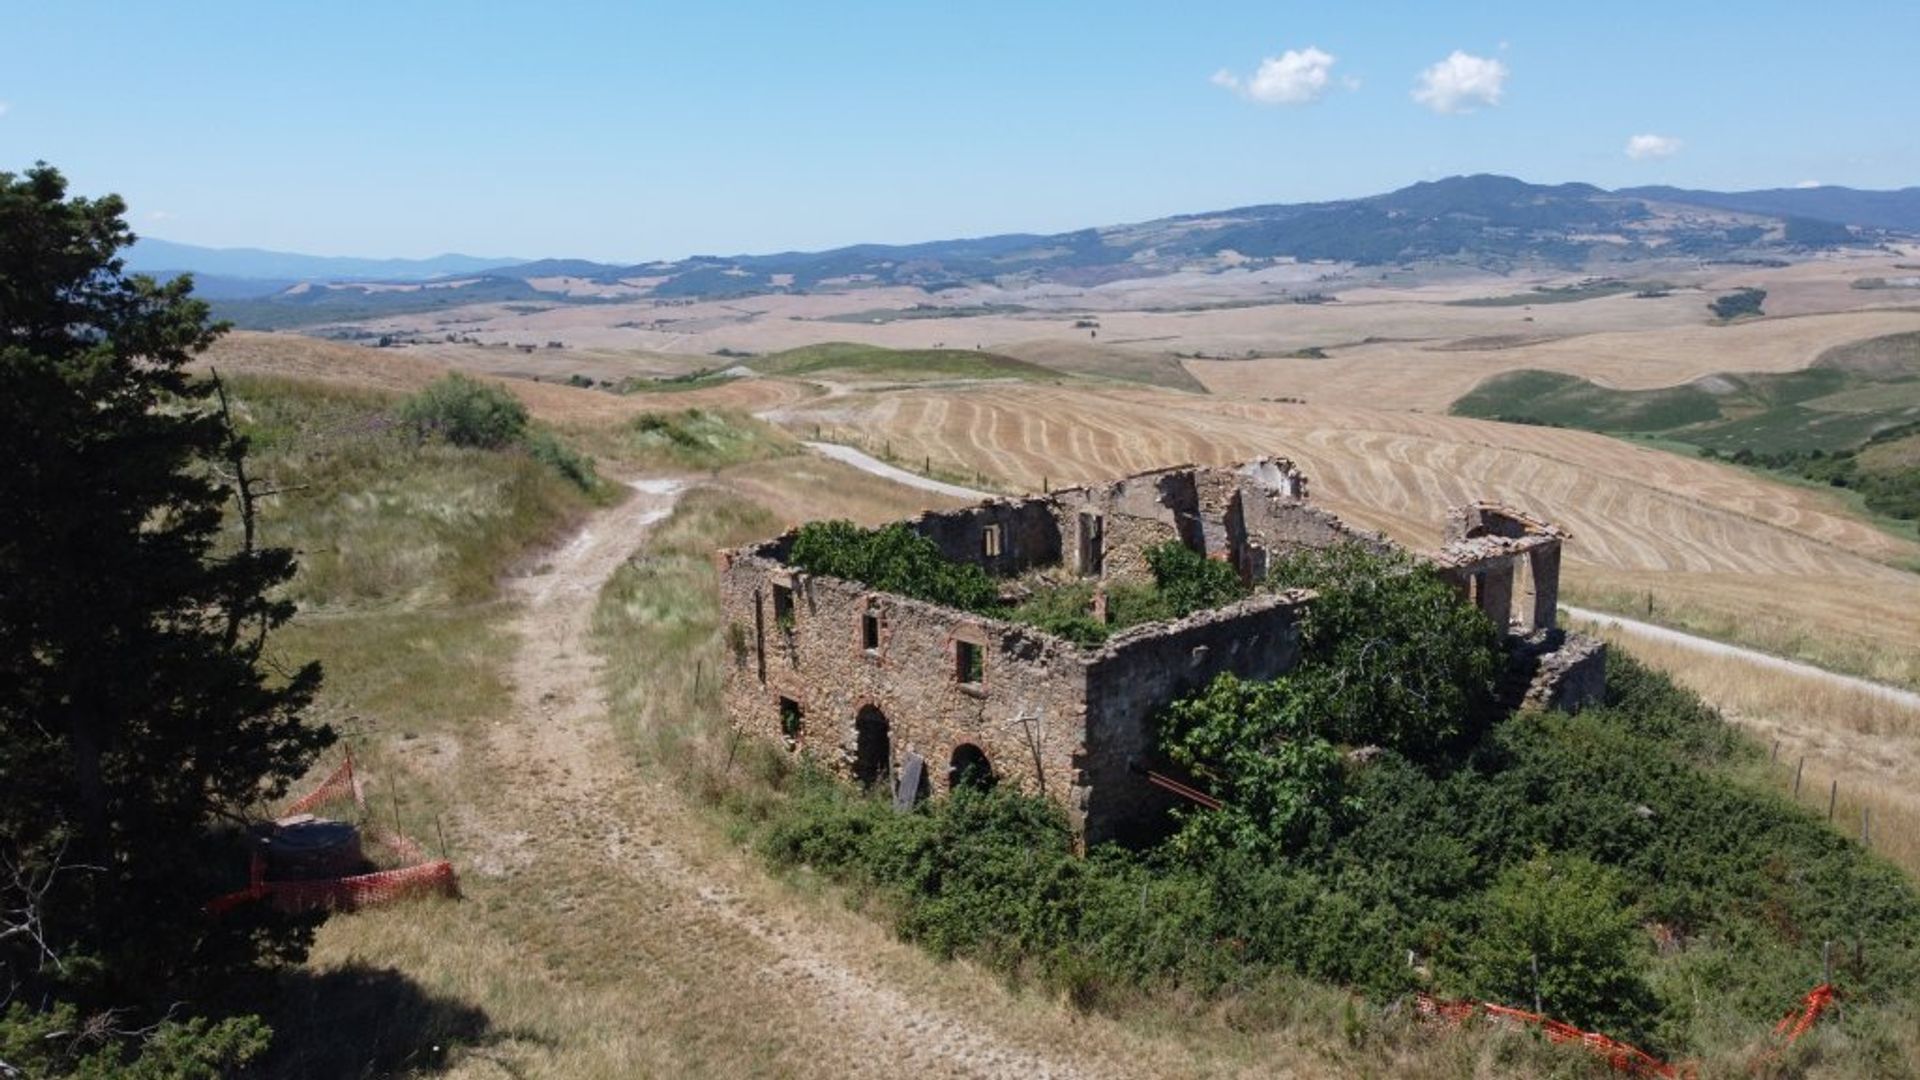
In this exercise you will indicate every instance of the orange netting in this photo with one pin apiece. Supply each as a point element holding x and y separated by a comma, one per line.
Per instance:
<point>422,877</point>
<point>341,784</point>
<point>1622,1057</point>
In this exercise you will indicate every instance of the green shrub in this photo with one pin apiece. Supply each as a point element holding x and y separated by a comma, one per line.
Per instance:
<point>895,559</point>
<point>548,450</point>
<point>1557,931</point>
<point>1253,744</point>
<point>1391,656</point>
<point>1189,581</point>
<point>466,412</point>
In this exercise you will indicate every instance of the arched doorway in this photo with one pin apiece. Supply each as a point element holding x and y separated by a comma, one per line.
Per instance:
<point>969,768</point>
<point>872,748</point>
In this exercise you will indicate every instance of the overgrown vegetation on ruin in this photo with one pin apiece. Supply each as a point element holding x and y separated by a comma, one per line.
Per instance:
<point>1662,902</point>
<point>893,558</point>
<point>1532,839</point>
<point>1617,853</point>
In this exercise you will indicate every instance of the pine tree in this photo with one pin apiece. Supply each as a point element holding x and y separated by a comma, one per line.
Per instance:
<point>138,715</point>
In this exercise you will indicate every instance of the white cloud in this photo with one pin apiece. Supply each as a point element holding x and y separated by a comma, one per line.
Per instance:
<point>1295,77</point>
<point>1811,183</point>
<point>4,106</point>
<point>1461,82</point>
<point>1648,147</point>
<point>162,215</point>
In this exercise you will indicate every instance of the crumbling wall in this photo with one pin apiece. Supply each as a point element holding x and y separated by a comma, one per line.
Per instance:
<point>1026,712</point>
<point>1028,534</point>
<point>1142,670</point>
<point>1133,514</point>
<point>815,661</point>
<point>1555,669</point>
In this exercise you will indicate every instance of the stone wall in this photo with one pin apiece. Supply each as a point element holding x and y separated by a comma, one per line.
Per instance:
<point>1143,669</point>
<point>1029,534</point>
<point>1026,712</point>
<point>861,679</point>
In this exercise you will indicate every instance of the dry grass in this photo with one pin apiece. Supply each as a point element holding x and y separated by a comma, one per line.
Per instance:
<point>1783,567</point>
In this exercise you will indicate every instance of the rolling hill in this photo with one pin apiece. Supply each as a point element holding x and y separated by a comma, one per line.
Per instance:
<point>1482,222</point>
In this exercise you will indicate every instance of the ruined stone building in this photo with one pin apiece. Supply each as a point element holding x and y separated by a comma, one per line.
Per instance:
<point>886,689</point>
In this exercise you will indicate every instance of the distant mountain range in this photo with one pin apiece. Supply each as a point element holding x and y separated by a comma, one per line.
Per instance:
<point>151,256</point>
<point>1486,222</point>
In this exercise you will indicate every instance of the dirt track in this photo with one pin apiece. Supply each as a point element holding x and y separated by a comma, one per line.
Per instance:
<point>578,791</point>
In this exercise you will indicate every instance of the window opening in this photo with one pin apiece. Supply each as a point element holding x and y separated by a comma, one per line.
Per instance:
<point>990,542</point>
<point>870,632</point>
<point>792,721</point>
<point>969,663</point>
<point>969,768</point>
<point>783,606</point>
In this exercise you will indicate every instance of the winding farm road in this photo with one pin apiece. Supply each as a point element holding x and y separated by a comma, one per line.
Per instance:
<point>1906,698</point>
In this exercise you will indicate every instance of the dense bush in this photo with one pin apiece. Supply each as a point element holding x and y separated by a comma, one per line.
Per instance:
<point>1256,746</point>
<point>466,412</point>
<point>1189,581</point>
<point>1738,303</point>
<point>1391,656</point>
<point>1557,842</point>
<point>469,413</point>
<point>1557,933</point>
<point>893,558</point>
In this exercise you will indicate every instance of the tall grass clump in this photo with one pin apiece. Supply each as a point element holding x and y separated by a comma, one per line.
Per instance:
<point>658,624</point>
<point>380,517</point>
<point>701,439</point>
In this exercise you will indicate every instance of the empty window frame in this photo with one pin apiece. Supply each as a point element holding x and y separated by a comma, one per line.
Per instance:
<point>991,542</point>
<point>783,606</point>
<point>870,631</point>
<point>969,663</point>
<point>792,722</point>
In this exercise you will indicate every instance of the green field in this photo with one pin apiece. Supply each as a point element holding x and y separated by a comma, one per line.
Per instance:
<point>873,361</point>
<point>1848,396</point>
<point>1843,423</point>
<point>1565,294</point>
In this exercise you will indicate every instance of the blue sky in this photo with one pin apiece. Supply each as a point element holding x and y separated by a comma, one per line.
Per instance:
<point>627,132</point>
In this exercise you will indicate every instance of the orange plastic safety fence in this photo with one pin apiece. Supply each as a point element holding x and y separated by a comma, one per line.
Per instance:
<point>1800,1019</point>
<point>1621,1056</point>
<point>342,783</point>
<point>345,893</point>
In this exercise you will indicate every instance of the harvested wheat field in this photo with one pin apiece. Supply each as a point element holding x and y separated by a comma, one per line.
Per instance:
<point>1727,546</point>
<point>403,371</point>
<point>1428,376</point>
